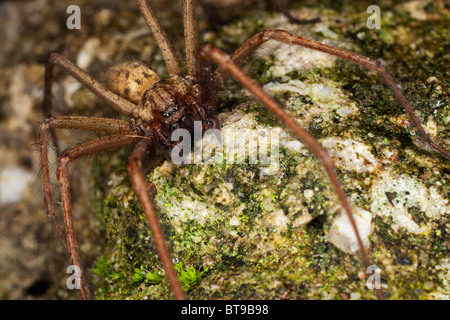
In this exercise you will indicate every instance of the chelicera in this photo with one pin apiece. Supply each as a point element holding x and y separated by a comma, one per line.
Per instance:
<point>158,107</point>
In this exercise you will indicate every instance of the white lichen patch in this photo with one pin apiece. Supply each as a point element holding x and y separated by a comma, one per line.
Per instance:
<point>303,219</point>
<point>326,32</point>
<point>431,129</point>
<point>294,200</point>
<point>326,98</point>
<point>396,195</point>
<point>294,58</point>
<point>322,92</point>
<point>245,141</point>
<point>188,208</point>
<point>350,155</point>
<point>416,9</point>
<point>293,145</point>
<point>342,234</point>
<point>278,220</point>
<point>308,193</point>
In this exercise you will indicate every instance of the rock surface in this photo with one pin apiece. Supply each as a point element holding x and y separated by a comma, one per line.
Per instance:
<point>235,232</point>
<point>274,236</point>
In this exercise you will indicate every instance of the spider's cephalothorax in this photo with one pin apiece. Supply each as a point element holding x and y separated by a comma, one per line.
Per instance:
<point>162,105</point>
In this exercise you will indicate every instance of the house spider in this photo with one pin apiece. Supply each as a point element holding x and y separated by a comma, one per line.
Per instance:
<point>158,107</point>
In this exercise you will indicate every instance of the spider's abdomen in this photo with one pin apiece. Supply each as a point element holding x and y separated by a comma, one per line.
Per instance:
<point>130,80</point>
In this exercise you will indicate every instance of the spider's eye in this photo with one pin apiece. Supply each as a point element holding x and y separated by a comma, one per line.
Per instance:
<point>170,110</point>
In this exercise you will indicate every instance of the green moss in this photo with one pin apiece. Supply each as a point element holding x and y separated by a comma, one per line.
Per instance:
<point>189,278</point>
<point>264,116</point>
<point>376,102</point>
<point>229,250</point>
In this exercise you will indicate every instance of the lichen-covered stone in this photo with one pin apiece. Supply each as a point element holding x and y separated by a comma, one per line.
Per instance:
<point>239,230</point>
<point>265,236</point>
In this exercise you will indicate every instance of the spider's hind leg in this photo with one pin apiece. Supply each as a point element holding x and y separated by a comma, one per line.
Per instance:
<point>55,59</point>
<point>99,145</point>
<point>81,123</point>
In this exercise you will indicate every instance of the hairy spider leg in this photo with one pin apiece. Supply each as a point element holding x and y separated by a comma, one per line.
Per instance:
<point>249,46</point>
<point>226,63</point>
<point>140,186</point>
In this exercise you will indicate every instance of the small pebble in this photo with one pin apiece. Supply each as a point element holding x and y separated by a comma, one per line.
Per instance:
<point>13,182</point>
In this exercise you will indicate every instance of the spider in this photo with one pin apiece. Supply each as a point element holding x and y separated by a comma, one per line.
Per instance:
<point>158,107</point>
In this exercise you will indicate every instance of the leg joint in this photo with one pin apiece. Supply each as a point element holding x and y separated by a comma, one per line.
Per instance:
<point>46,124</point>
<point>133,163</point>
<point>52,57</point>
<point>63,160</point>
<point>279,35</point>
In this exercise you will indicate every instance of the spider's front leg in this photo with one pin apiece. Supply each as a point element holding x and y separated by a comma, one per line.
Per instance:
<point>226,63</point>
<point>140,186</point>
<point>249,46</point>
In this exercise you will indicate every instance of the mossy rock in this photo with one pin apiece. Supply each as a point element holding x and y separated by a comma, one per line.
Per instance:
<point>237,232</point>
